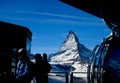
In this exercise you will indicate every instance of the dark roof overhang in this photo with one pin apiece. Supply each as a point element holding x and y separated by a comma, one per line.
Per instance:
<point>105,9</point>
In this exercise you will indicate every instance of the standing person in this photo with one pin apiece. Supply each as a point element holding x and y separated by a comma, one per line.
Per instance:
<point>23,74</point>
<point>46,68</point>
<point>39,68</point>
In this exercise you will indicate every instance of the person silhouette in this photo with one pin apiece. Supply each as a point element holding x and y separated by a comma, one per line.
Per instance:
<point>23,72</point>
<point>39,68</point>
<point>47,68</point>
<point>42,68</point>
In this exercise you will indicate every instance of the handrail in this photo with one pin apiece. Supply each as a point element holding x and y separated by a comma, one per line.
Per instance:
<point>68,77</point>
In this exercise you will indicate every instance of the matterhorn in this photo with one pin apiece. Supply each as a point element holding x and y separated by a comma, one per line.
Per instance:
<point>72,55</point>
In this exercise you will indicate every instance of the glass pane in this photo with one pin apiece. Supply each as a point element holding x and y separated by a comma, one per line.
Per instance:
<point>114,60</point>
<point>28,46</point>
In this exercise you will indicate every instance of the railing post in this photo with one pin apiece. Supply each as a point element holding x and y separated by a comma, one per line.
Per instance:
<point>71,77</point>
<point>66,77</point>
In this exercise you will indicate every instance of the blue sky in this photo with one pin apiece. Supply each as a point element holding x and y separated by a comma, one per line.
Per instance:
<point>50,22</point>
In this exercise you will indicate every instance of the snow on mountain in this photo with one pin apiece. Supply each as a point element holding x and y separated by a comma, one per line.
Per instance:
<point>72,55</point>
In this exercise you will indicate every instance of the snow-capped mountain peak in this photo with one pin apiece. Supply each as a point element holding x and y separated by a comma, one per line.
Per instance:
<point>70,43</point>
<point>71,50</point>
<point>71,53</point>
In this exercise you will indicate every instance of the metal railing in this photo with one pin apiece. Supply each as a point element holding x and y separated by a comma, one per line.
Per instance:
<point>78,77</point>
<point>64,77</point>
<point>58,77</point>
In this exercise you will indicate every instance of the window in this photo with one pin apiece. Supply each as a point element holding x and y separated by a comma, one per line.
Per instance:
<point>28,46</point>
<point>114,60</point>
